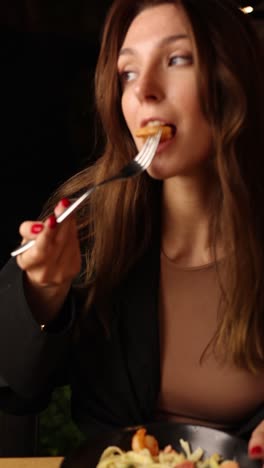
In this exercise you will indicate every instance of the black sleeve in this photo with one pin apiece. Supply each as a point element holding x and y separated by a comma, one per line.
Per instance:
<point>32,361</point>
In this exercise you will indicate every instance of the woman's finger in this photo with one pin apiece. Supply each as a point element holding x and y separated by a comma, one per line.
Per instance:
<point>61,206</point>
<point>256,442</point>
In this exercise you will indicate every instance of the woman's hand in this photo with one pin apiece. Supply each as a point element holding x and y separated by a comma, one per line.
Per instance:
<point>256,443</point>
<point>51,264</point>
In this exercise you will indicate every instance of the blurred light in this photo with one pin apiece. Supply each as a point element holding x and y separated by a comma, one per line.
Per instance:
<point>247,9</point>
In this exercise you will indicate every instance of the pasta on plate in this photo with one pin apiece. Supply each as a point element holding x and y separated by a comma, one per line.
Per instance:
<point>145,452</point>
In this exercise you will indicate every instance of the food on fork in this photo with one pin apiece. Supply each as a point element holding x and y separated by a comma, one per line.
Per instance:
<point>146,452</point>
<point>153,127</point>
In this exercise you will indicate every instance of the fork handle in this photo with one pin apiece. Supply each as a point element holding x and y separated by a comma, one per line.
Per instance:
<point>23,248</point>
<point>27,245</point>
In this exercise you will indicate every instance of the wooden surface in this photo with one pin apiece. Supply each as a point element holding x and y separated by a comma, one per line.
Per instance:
<point>39,462</point>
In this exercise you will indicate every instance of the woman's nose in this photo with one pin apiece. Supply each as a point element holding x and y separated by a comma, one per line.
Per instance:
<point>149,87</point>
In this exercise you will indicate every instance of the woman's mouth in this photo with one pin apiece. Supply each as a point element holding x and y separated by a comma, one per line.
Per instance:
<point>152,127</point>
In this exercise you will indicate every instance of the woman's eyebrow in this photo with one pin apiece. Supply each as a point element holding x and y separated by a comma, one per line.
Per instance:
<point>163,42</point>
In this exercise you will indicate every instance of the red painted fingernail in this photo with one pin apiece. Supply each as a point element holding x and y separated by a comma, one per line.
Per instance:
<point>51,221</point>
<point>65,202</point>
<point>36,228</point>
<point>256,450</point>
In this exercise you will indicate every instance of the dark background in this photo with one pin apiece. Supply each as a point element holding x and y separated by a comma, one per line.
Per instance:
<point>48,51</point>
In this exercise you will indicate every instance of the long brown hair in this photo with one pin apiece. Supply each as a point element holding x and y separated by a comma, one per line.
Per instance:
<point>119,221</point>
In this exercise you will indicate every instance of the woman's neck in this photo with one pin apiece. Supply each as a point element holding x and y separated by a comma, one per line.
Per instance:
<point>186,216</point>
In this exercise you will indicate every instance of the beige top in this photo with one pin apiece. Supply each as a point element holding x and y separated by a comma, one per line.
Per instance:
<point>209,393</point>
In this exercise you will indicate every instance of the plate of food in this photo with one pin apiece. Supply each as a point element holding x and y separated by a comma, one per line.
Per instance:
<point>164,445</point>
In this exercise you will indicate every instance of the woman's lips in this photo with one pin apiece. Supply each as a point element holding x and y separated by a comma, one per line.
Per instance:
<point>165,143</point>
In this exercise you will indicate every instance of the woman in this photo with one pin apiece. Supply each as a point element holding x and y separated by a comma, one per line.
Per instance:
<point>149,301</point>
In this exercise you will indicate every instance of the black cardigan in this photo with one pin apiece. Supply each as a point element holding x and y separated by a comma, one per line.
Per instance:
<point>114,377</point>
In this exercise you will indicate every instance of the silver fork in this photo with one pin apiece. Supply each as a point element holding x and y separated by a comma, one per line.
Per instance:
<point>142,160</point>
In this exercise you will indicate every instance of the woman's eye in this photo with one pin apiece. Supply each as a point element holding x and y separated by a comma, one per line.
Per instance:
<point>127,76</point>
<point>180,60</point>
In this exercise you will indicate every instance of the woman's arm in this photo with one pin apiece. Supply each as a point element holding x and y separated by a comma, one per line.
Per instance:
<point>37,306</point>
<point>32,360</point>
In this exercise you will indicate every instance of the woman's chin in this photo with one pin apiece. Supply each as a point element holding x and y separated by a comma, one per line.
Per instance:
<point>159,169</point>
<point>156,174</point>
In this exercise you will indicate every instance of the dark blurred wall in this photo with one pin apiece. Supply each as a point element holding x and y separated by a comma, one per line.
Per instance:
<point>48,52</point>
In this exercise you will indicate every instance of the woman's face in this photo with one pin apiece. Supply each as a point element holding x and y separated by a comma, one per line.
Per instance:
<point>157,72</point>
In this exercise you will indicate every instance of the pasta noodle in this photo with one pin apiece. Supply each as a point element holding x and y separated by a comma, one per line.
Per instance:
<point>150,130</point>
<point>143,456</point>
